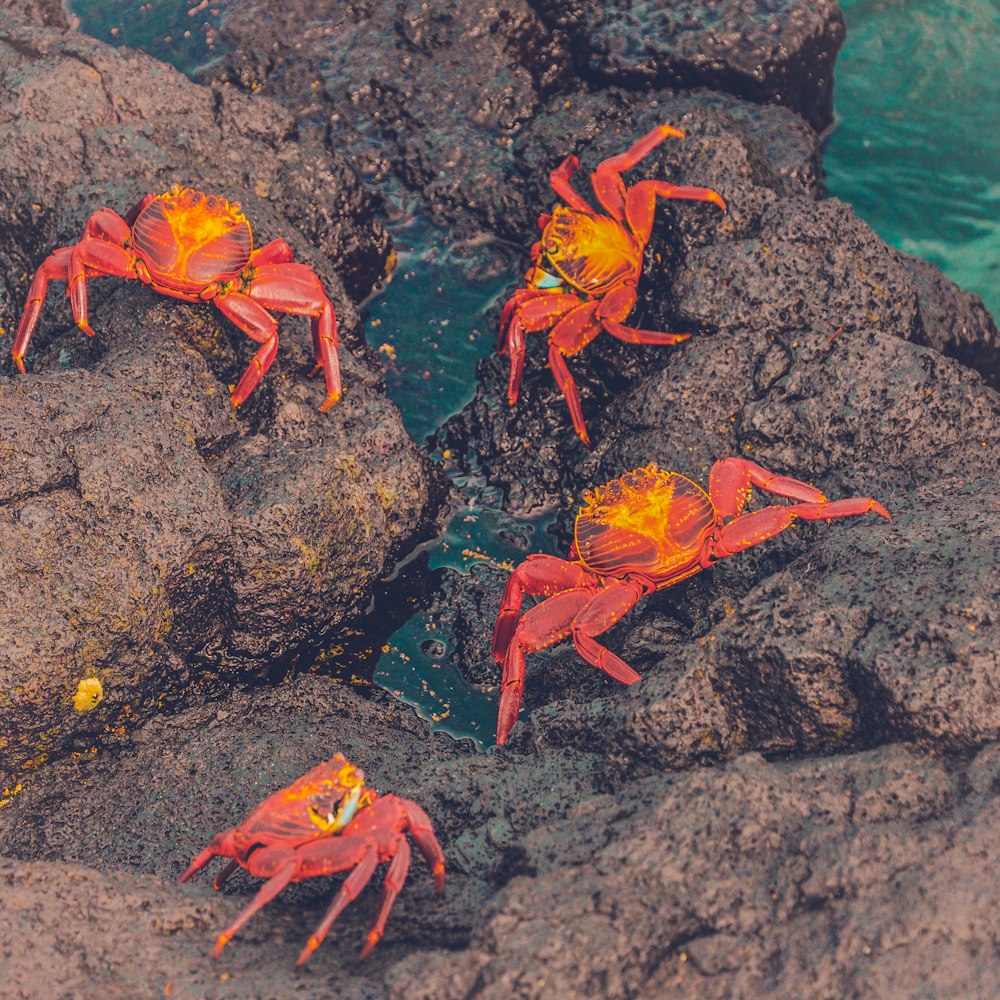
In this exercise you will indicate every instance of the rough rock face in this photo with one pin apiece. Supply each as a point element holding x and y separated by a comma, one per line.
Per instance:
<point>852,875</point>
<point>389,101</point>
<point>799,798</point>
<point>148,533</point>
<point>777,52</point>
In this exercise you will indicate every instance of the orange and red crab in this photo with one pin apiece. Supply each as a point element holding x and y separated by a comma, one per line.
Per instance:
<point>647,530</point>
<point>326,822</point>
<point>199,248</point>
<point>585,269</point>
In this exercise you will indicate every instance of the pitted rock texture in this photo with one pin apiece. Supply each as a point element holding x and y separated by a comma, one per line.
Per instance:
<point>440,95</point>
<point>780,52</point>
<point>149,534</point>
<point>717,881</point>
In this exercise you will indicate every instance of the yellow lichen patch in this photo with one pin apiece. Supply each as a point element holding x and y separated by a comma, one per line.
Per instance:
<point>89,694</point>
<point>196,218</point>
<point>9,793</point>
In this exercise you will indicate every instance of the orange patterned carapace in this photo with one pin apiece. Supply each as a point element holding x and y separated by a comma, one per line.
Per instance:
<point>641,532</point>
<point>585,267</point>
<point>197,247</point>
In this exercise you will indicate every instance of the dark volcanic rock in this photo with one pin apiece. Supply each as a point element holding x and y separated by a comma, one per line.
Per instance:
<point>719,880</point>
<point>147,531</point>
<point>440,95</point>
<point>775,52</point>
<point>630,842</point>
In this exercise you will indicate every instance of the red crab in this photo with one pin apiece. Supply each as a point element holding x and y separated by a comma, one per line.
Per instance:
<point>325,822</point>
<point>586,266</point>
<point>645,531</point>
<point>199,248</point>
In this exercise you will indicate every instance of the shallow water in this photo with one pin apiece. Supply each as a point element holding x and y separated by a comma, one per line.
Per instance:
<point>914,151</point>
<point>916,146</point>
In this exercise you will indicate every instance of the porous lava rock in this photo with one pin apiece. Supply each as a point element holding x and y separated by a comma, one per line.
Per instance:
<point>855,872</point>
<point>779,52</point>
<point>440,96</point>
<point>149,534</point>
<point>799,797</point>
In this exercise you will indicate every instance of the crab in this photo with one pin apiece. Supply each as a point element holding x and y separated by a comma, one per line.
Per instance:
<point>199,248</point>
<point>325,822</point>
<point>585,269</point>
<point>642,532</point>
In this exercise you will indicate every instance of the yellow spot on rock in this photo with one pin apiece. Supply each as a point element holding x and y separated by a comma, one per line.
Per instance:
<point>89,694</point>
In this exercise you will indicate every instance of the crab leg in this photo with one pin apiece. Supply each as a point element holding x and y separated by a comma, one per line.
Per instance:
<point>640,202</point>
<point>395,878</point>
<point>600,614</point>
<point>606,179</point>
<point>349,891</point>
<point>539,576</point>
<point>419,825</point>
<point>55,266</point>
<point>92,257</point>
<point>294,288</point>
<point>259,325</point>
<point>265,894</point>
<point>220,847</point>
<point>616,305</point>
<point>224,873</point>
<point>531,316</point>
<point>275,252</point>
<point>559,182</point>
<point>544,625</point>
<point>731,479</point>
<point>749,529</point>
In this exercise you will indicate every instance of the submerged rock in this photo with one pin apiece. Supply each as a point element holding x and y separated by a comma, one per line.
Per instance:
<point>150,534</point>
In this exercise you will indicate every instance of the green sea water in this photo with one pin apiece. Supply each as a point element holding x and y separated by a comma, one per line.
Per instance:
<point>916,146</point>
<point>914,150</point>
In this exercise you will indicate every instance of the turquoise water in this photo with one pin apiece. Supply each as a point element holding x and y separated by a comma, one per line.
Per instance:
<point>914,151</point>
<point>916,147</point>
<point>182,34</point>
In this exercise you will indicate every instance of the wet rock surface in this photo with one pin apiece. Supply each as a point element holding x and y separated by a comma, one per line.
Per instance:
<point>800,795</point>
<point>777,52</point>
<point>149,534</point>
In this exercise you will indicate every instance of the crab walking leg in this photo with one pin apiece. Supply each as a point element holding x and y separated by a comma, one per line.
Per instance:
<point>616,305</point>
<point>640,203</point>
<point>221,846</point>
<point>275,252</point>
<point>606,179</point>
<point>538,576</point>
<point>259,325</point>
<point>224,873</point>
<point>544,625</point>
<point>763,524</point>
<point>54,267</point>
<point>93,258</point>
<point>559,182</point>
<point>294,288</point>
<point>731,480</point>
<point>419,824</point>
<point>395,878</point>
<point>510,309</point>
<point>532,316</point>
<point>568,337</point>
<point>265,894</point>
<point>349,891</point>
<point>605,610</point>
